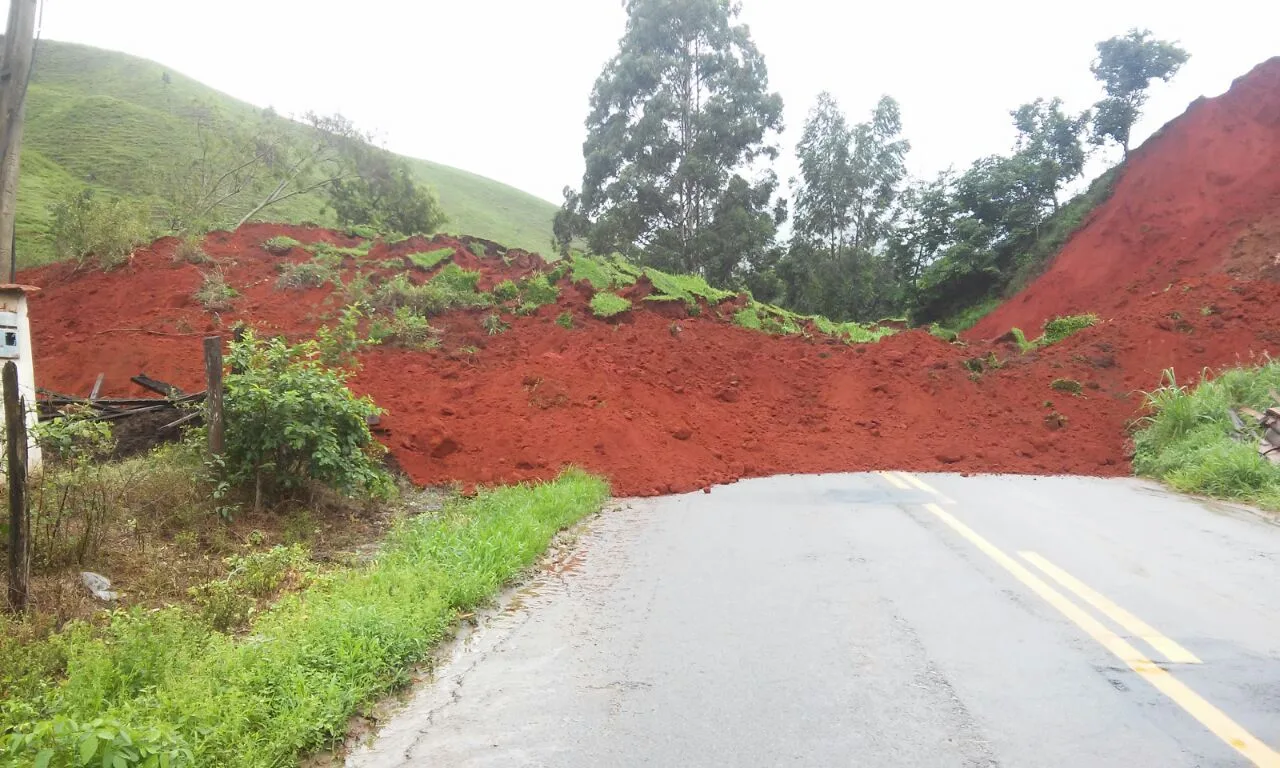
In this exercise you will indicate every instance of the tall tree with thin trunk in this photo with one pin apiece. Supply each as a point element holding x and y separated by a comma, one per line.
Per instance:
<point>1126,66</point>
<point>824,192</point>
<point>1050,139</point>
<point>682,109</point>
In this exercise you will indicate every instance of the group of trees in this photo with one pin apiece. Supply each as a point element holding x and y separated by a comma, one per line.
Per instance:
<point>681,132</point>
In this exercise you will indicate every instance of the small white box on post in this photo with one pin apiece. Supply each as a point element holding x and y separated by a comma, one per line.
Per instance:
<point>15,345</point>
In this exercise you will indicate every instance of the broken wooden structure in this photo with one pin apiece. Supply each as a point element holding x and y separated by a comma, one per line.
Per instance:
<point>1269,424</point>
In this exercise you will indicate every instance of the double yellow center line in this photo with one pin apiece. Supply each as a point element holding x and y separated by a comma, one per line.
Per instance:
<point>1210,716</point>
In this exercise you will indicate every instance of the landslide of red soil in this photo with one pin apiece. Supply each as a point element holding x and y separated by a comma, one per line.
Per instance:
<point>657,401</point>
<point>1200,198</point>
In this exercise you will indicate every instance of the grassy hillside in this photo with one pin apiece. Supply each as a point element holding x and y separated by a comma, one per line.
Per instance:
<point>105,119</point>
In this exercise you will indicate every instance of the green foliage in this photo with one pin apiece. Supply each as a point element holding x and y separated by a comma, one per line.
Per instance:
<point>89,225</point>
<point>1067,385</point>
<point>493,325</point>
<point>600,272</point>
<point>1126,66</point>
<point>214,294</point>
<point>1187,440</point>
<point>339,344</point>
<point>945,334</point>
<point>228,603</point>
<point>306,274</point>
<point>363,231</point>
<point>427,260</point>
<point>74,437</point>
<point>171,683</point>
<point>748,317</point>
<point>605,304</point>
<point>565,320</point>
<point>280,245</point>
<point>686,288</point>
<point>451,288</point>
<point>1059,328</point>
<point>292,421</point>
<point>1020,338</point>
<point>335,254</point>
<point>537,291</point>
<point>505,291</point>
<point>383,194</point>
<point>411,331</point>
<point>660,175</point>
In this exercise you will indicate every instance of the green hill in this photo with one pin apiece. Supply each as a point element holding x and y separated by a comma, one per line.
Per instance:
<point>105,119</point>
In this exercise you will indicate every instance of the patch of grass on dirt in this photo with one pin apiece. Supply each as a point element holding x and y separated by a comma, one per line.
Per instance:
<point>336,253</point>
<point>166,682</point>
<point>305,274</point>
<point>1055,330</point>
<point>280,245</point>
<point>427,260</point>
<point>600,272</point>
<point>405,329</point>
<point>565,320</point>
<point>536,291</point>
<point>214,294</point>
<point>452,288</point>
<point>493,325</point>
<point>1067,385</point>
<point>605,304</point>
<point>1187,440</point>
<point>686,288</point>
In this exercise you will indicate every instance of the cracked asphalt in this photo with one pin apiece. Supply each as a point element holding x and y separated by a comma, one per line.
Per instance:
<point>875,620</point>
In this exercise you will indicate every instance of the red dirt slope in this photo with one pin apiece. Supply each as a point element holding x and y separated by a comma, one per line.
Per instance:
<point>1199,198</point>
<point>657,401</point>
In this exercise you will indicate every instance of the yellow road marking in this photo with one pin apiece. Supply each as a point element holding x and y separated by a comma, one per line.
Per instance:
<point>1209,716</point>
<point>896,482</point>
<point>922,485</point>
<point>1163,645</point>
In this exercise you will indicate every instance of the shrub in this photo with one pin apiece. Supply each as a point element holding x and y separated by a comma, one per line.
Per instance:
<point>1059,328</point>
<point>89,225</point>
<point>75,436</point>
<point>451,288</point>
<point>427,260</point>
<point>605,304</point>
<point>305,274</point>
<point>493,325</point>
<point>565,320</point>
<point>505,291</point>
<point>214,293</point>
<point>537,291</point>
<point>338,345</point>
<point>280,245</point>
<point>413,331</point>
<point>291,421</point>
<point>229,602</point>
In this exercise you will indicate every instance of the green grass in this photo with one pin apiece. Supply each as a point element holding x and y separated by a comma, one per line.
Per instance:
<point>777,321</point>
<point>969,317</point>
<point>605,304</point>
<point>306,274</point>
<point>602,273</point>
<point>451,288</point>
<point>106,119</point>
<point>427,260</point>
<point>1186,441</point>
<point>1055,330</point>
<point>280,245</point>
<point>168,681</point>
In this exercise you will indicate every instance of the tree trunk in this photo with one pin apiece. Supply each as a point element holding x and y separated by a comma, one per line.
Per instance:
<point>15,423</point>
<point>15,72</point>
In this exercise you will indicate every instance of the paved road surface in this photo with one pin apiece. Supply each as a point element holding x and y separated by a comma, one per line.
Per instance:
<point>877,620</point>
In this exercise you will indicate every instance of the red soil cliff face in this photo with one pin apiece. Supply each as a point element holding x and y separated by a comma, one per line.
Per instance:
<point>1199,198</point>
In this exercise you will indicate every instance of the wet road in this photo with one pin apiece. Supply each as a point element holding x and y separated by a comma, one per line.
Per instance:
<point>876,620</point>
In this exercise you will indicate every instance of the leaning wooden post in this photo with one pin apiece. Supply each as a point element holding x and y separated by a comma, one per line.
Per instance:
<point>213,394</point>
<point>15,423</point>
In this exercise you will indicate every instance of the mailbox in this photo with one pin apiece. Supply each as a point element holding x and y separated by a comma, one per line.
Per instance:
<point>9,336</point>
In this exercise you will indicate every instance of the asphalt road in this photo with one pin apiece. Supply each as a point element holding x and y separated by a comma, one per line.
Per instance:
<point>876,620</point>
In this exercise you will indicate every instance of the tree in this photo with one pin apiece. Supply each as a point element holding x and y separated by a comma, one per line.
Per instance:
<point>381,192</point>
<point>924,231</point>
<point>1051,141</point>
<point>1126,65</point>
<point>681,109</point>
<point>877,156</point>
<point>824,198</point>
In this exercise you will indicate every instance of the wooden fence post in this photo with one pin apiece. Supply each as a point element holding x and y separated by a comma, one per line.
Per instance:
<point>15,423</point>
<point>213,394</point>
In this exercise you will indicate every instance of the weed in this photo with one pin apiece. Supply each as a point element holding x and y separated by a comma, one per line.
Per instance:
<point>305,274</point>
<point>1020,339</point>
<point>478,249</point>
<point>505,291</point>
<point>493,325</point>
<point>605,304</point>
<point>451,288</point>
<point>1207,310</point>
<point>565,320</point>
<point>338,345</point>
<point>363,231</point>
<point>280,245</point>
<point>169,682</point>
<point>214,293</point>
<point>1059,328</point>
<point>686,288</point>
<point>945,334</point>
<point>601,273</point>
<point>1067,385</point>
<point>427,260</point>
<point>747,317</point>
<point>537,291</point>
<point>335,254</point>
<point>190,252</point>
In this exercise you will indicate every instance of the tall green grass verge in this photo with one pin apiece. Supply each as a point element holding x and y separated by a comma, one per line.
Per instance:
<point>147,683</point>
<point>1186,441</point>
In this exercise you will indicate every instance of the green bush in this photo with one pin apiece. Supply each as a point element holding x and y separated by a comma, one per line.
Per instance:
<point>291,421</point>
<point>339,344</point>
<point>537,291</point>
<point>189,251</point>
<point>74,437</point>
<point>1188,440</point>
<point>605,304</point>
<point>1059,328</point>
<point>305,274</point>
<point>164,681</point>
<point>493,325</point>
<point>565,320</point>
<point>505,291</point>
<point>89,225</point>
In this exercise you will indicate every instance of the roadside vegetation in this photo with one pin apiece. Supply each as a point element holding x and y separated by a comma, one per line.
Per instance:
<point>1190,440</point>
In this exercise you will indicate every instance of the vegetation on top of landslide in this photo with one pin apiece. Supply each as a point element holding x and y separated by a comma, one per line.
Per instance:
<point>427,260</point>
<point>1187,439</point>
<point>451,288</point>
<point>280,244</point>
<point>336,253</point>
<point>168,683</point>
<point>106,228</point>
<point>312,273</point>
<point>1055,330</point>
<point>214,294</point>
<point>605,304</point>
<point>780,322</point>
<point>101,115</point>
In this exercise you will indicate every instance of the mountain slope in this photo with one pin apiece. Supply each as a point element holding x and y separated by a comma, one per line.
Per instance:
<point>105,119</point>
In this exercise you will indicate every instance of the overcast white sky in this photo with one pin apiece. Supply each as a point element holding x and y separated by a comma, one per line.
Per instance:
<point>500,87</point>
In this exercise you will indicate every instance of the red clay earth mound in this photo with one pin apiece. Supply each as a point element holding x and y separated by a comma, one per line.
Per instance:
<point>658,401</point>
<point>1201,197</point>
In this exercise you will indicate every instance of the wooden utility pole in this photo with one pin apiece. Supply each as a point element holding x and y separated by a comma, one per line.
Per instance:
<point>15,72</point>
<point>213,394</point>
<point>15,424</point>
